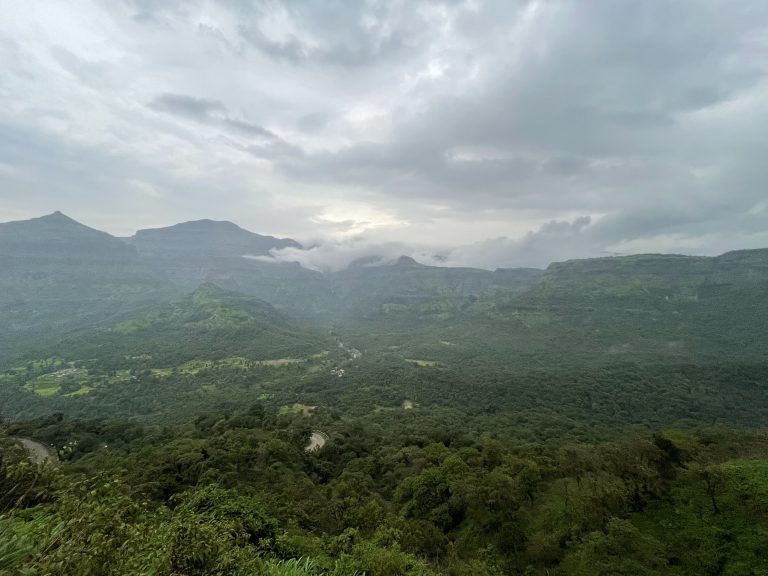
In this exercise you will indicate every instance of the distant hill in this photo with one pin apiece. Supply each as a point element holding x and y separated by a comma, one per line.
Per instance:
<point>59,237</point>
<point>649,309</point>
<point>644,308</point>
<point>58,274</point>
<point>418,291</point>
<point>693,308</point>
<point>652,275</point>
<point>205,239</point>
<point>192,253</point>
<point>209,323</point>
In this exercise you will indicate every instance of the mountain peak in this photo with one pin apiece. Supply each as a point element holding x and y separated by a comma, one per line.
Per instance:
<point>53,223</point>
<point>406,261</point>
<point>57,234</point>
<point>206,238</point>
<point>208,224</point>
<point>57,217</point>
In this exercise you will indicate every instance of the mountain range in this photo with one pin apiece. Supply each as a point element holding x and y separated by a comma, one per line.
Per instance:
<point>59,276</point>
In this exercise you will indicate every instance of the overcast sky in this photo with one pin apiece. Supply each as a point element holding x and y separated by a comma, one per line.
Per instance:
<point>522,131</point>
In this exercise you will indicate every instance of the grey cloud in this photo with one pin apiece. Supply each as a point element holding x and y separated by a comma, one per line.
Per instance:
<point>553,241</point>
<point>349,54</point>
<point>339,33</point>
<point>331,32</point>
<point>85,71</point>
<point>207,111</point>
<point>188,106</point>
<point>274,150</point>
<point>41,172</point>
<point>646,117</point>
<point>247,128</point>
<point>584,238</point>
<point>335,256</point>
<point>271,149</point>
<point>596,120</point>
<point>313,121</point>
<point>612,80</point>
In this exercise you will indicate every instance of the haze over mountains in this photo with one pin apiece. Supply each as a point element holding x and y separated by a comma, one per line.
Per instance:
<point>59,275</point>
<point>209,237</point>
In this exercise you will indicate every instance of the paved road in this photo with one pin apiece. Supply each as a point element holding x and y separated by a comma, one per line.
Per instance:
<point>39,452</point>
<point>316,441</point>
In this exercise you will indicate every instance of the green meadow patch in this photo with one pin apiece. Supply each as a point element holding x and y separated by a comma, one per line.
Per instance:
<point>83,390</point>
<point>70,379</point>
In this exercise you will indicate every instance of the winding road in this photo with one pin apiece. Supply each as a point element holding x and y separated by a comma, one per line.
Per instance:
<point>39,452</point>
<point>316,441</point>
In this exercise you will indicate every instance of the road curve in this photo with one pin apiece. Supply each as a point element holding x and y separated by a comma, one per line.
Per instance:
<point>316,441</point>
<point>39,452</point>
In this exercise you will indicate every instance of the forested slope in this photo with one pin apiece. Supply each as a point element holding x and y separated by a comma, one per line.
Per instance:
<point>604,416</point>
<point>237,494</point>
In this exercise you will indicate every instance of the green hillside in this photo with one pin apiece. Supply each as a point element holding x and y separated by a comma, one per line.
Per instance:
<point>193,253</point>
<point>646,308</point>
<point>210,323</point>
<point>58,275</point>
<point>603,416</point>
<point>150,363</point>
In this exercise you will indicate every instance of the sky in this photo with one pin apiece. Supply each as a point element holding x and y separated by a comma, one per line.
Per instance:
<point>485,133</point>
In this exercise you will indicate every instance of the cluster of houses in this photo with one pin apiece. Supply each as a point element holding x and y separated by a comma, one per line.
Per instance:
<point>352,354</point>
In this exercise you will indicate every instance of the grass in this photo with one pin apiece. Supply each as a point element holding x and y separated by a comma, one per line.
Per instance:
<point>129,326</point>
<point>302,409</point>
<point>81,392</point>
<point>48,391</point>
<point>51,383</point>
<point>71,382</point>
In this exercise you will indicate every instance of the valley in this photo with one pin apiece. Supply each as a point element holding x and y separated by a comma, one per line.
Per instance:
<point>383,288</point>
<point>577,345</point>
<point>391,418</point>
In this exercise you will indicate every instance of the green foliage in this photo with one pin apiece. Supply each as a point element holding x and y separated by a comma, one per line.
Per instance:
<point>237,494</point>
<point>621,550</point>
<point>485,423</point>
